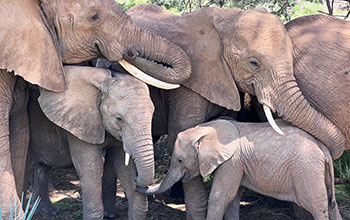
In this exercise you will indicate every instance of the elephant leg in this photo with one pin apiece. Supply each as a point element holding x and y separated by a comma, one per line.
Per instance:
<point>109,186</point>
<point>227,179</point>
<point>138,203</point>
<point>19,132</point>
<point>188,109</point>
<point>232,210</point>
<point>41,189</point>
<point>87,160</point>
<point>8,190</point>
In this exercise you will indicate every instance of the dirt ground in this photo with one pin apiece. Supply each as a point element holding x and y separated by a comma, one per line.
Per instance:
<point>65,193</point>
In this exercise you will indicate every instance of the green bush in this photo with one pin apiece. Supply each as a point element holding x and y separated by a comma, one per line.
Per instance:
<point>342,166</point>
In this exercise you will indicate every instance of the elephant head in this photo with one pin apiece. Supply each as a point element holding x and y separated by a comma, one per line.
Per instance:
<point>95,101</point>
<point>38,35</point>
<point>199,151</point>
<point>251,51</point>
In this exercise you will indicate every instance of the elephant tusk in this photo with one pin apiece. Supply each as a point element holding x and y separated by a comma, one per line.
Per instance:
<point>133,70</point>
<point>271,121</point>
<point>127,159</point>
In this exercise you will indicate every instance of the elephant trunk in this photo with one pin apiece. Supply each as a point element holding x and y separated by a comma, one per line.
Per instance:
<point>166,184</point>
<point>291,104</point>
<point>159,57</point>
<point>149,52</point>
<point>144,161</point>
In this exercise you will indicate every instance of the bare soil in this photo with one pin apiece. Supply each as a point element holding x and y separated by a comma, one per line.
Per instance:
<point>66,194</point>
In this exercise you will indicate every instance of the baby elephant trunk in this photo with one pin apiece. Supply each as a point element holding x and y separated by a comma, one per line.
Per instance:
<point>166,184</point>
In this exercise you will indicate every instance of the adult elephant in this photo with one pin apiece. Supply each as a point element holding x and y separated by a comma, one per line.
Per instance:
<point>321,49</point>
<point>250,49</point>
<point>37,36</point>
<point>230,50</point>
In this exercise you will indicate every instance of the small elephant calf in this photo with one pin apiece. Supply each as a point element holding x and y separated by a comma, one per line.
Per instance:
<point>293,167</point>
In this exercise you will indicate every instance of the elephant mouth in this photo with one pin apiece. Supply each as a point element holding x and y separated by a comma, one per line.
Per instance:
<point>132,55</point>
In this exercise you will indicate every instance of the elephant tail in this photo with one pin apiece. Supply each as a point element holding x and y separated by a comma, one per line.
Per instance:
<point>333,209</point>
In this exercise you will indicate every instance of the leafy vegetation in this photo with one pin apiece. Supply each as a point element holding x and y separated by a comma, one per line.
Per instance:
<point>285,9</point>
<point>342,166</point>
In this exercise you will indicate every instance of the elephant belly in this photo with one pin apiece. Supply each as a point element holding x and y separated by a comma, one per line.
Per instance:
<point>281,192</point>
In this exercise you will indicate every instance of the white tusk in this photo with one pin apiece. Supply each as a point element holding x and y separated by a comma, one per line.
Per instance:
<point>271,121</point>
<point>127,159</point>
<point>133,70</point>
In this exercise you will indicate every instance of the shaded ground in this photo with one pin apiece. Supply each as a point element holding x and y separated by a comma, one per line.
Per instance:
<point>66,194</point>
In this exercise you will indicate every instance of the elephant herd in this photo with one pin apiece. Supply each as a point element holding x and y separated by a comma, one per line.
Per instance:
<point>196,65</point>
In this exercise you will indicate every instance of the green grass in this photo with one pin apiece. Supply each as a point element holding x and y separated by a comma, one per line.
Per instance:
<point>342,166</point>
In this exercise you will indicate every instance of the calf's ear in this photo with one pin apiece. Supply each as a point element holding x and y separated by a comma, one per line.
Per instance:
<point>217,146</point>
<point>77,109</point>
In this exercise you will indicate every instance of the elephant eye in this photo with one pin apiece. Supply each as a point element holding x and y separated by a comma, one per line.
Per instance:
<point>95,16</point>
<point>254,64</point>
<point>179,160</point>
<point>120,119</point>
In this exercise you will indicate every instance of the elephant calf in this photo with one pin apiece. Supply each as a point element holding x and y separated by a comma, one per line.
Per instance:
<point>294,167</point>
<point>94,103</point>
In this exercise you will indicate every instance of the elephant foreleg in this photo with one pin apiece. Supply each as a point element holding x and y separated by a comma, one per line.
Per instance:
<point>232,210</point>
<point>227,179</point>
<point>87,160</point>
<point>109,187</point>
<point>19,132</point>
<point>7,181</point>
<point>138,204</point>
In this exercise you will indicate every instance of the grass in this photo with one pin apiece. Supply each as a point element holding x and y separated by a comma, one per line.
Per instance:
<point>342,166</point>
<point>28,212</point>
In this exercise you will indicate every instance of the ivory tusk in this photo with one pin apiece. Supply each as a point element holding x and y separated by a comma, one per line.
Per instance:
<point>271,121</point>
<point>133,70</point>
<point>127,159</point>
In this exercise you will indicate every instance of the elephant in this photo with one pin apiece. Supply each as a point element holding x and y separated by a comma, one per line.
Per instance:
<point>325,81</point>
<point>294,167</point>
<point>38,36</point>
<point>94,103</point>
<point>175,111</point>
<point>252,51</point>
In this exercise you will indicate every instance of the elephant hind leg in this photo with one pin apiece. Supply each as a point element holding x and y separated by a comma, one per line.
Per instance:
<point>7,182</point>
<point>41,189</point>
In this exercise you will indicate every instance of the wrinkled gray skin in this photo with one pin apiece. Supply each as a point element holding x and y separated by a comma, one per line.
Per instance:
<point>52,32</point>
<point>175,111</point>
<point>294,167</point>
<point>323,72</point>
<point>233,50</point>
<point>252,51</point>
<point>119,105</point>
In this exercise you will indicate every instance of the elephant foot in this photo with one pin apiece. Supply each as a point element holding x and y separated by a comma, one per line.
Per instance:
<point>47,209</point>
<point>110,213</point>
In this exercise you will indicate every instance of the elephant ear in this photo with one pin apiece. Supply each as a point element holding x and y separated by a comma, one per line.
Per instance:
<point>77,109</point>
<point>217,144</point>
<point>211,77</point>
<point>28,45</point>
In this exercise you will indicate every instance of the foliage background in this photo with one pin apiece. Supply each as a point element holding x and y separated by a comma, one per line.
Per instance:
<point>285,9</point>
